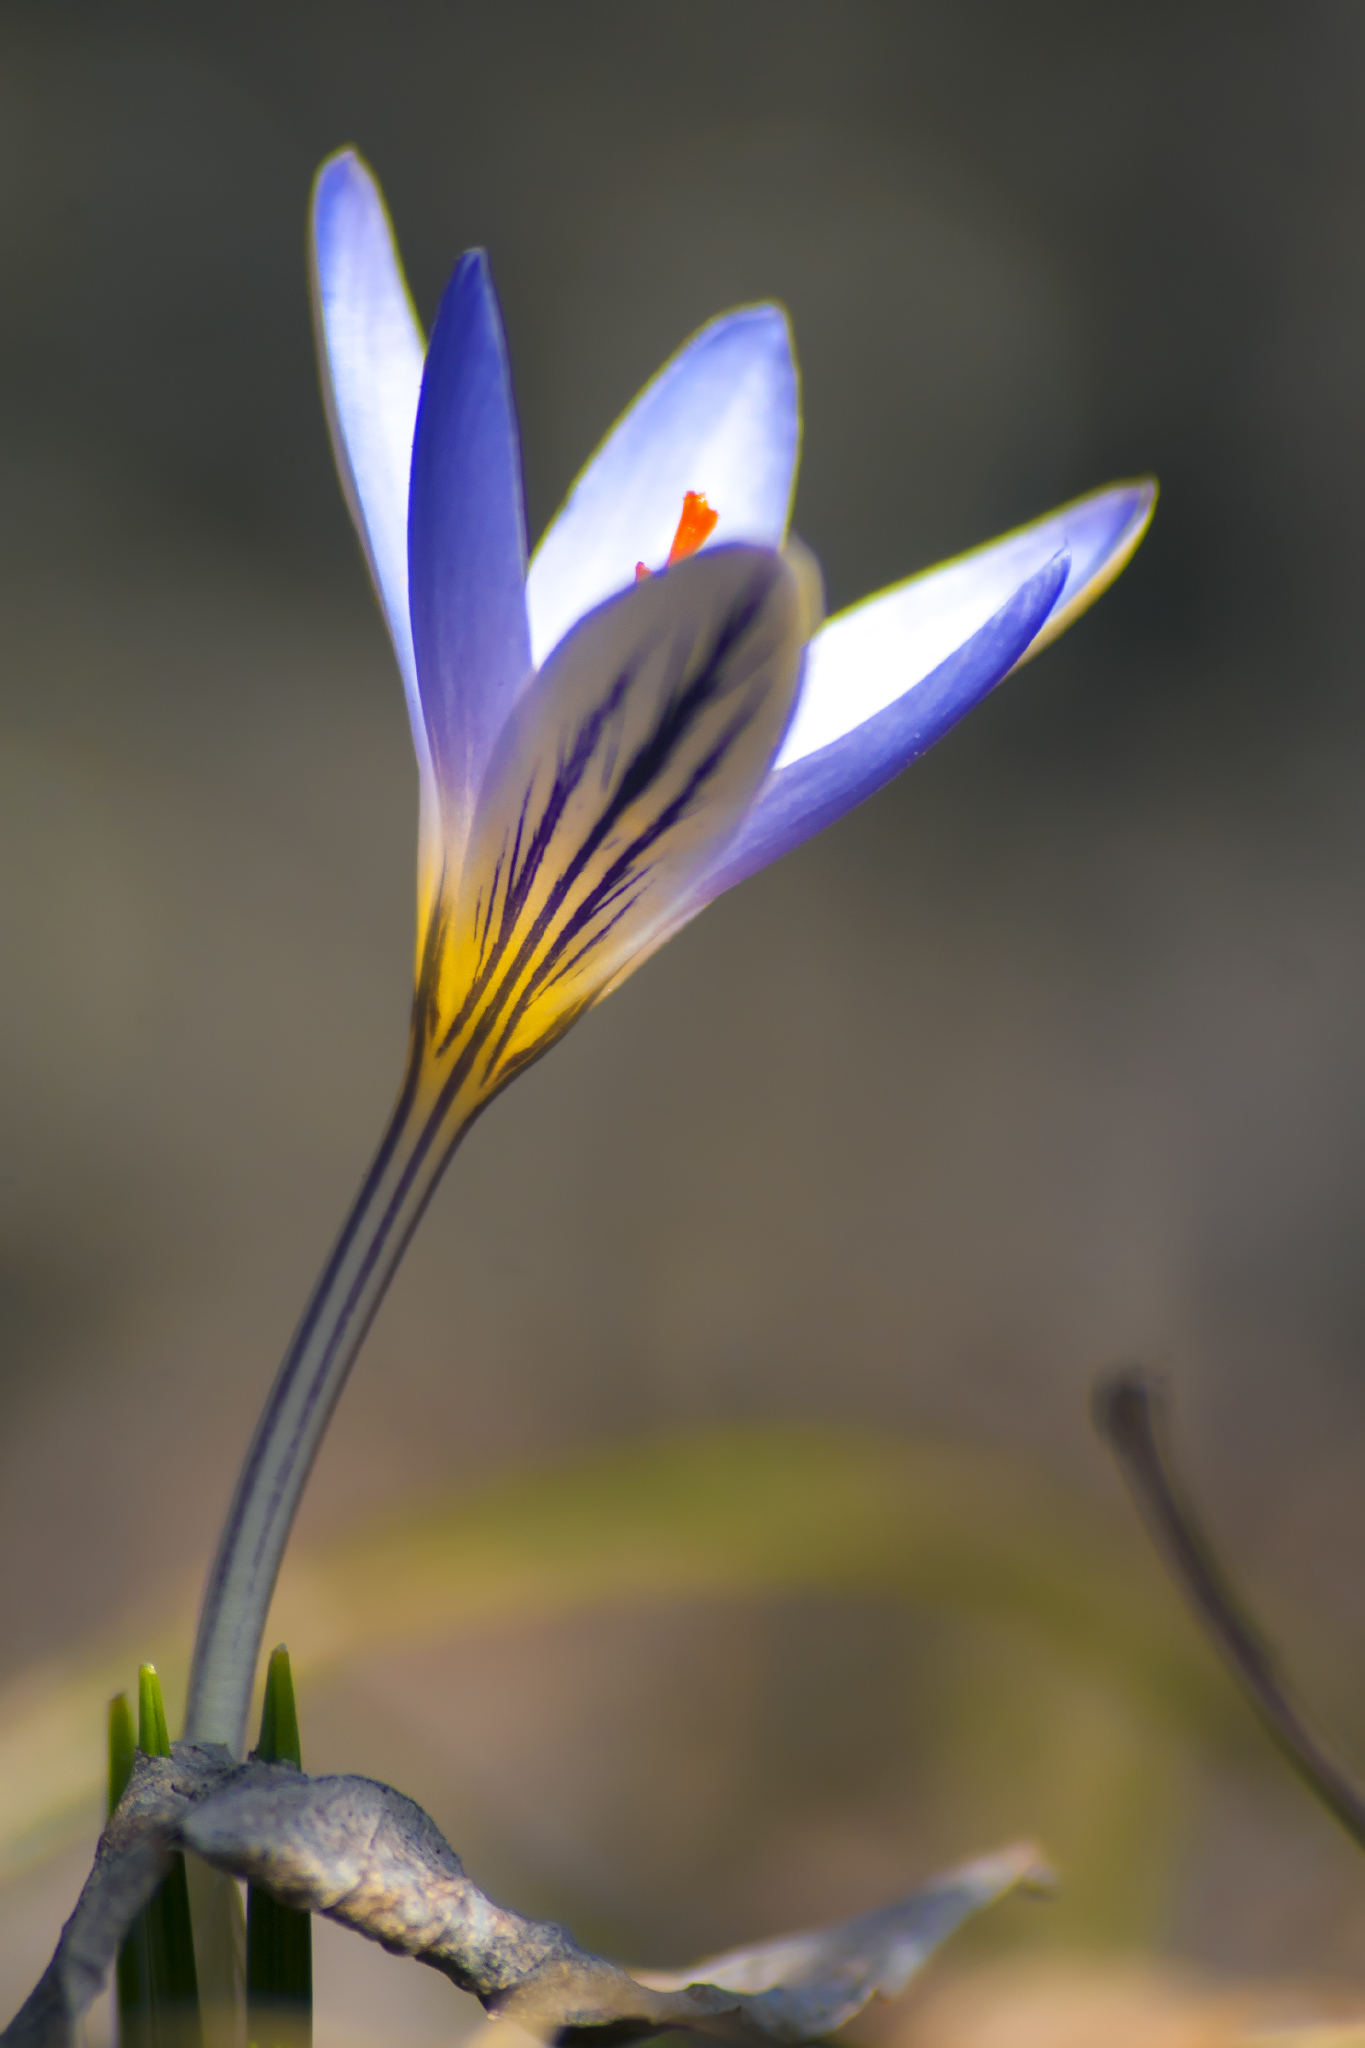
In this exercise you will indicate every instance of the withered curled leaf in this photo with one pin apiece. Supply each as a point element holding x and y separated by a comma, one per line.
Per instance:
<point>372,1860</point>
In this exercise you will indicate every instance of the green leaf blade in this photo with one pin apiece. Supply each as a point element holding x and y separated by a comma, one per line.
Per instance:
<point>157,1982</point>
<point>122,1748</point>
<point>279,1941</point>
<point>153,1736</point>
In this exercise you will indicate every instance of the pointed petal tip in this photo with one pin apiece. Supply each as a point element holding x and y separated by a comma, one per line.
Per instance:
<point>769,313</point>
<point>346,210</point>
<point>345,157</point>
<point>754,313</point>
<point>1141,492</point>
<point>722,416</point>
<point>471,281</point>
<point>766,323</point>
<point>1104,528</point>
<point>343,173</point>
<point>1146,491</point>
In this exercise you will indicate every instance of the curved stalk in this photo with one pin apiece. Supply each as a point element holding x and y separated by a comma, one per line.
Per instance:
<point>1129,1412</point>
<point>427,1123</point>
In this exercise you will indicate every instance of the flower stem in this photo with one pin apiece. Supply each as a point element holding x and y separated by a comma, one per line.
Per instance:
<point>422,1133</point>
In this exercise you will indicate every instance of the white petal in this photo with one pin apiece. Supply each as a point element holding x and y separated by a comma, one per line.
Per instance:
<point>722,417</point>
<point>865,658</point>
<point>371,350</point>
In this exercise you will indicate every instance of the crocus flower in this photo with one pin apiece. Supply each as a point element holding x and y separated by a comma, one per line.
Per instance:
<point>607,738</point>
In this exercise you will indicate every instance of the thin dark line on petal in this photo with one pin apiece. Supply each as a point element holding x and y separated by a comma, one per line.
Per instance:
<point>529,1054</point>
<point>518,960</point>
<point>623,871</point>
<point>531,992</point>
<point>566,967</point>
<point>569,773</point>
<point>648,763</point>
<point>622,877</point>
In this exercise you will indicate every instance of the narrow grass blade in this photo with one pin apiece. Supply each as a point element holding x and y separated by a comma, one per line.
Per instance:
<point>122,1747</point>
<point>279,1743</point>
<point>158,1990</point>
<point>279,1941</point>
<point>153,1736</point>
<point>132,1985</point>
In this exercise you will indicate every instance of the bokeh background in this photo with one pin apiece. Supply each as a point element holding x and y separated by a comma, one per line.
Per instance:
<point>1052,1055</point>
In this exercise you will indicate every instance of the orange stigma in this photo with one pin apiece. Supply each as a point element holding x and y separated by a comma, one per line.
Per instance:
<point>696,525</point>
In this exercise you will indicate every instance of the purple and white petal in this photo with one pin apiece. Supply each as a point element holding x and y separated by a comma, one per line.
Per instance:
<point>798,800</point>
<point>722,417</point>
<point>370,350</point>
<point>867,657</point>
<point>623,770</point>
<point>467,542</point>
<point>1102,532</point>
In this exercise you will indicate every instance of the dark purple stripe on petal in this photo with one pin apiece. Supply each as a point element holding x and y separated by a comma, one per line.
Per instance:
<point>593,748</point>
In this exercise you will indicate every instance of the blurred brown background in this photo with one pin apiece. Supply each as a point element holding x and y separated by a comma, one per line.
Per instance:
<point>1049,1056</point>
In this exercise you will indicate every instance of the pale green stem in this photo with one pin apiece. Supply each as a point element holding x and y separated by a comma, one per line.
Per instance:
<point>421,1136</point>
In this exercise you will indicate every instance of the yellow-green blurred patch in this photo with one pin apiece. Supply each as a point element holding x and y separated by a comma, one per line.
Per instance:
<point>1073,1697</point>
